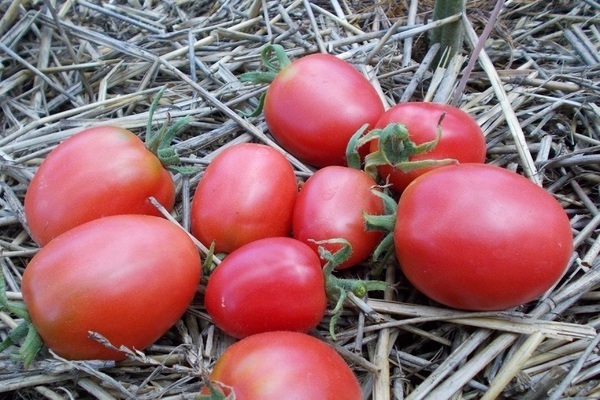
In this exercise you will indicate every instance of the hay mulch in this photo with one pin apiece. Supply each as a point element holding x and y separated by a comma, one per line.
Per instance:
<point>534,87</point>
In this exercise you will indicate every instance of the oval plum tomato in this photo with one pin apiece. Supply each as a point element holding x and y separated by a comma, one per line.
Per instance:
<point>95,173</point>
<point>314,106</point>
<point>267,285</point>
<point>331,204</point>
<point>284,365</point>
<point>480,237</point>
<point>461,139</point>
<point>247,193</point>
<point>126,277</point>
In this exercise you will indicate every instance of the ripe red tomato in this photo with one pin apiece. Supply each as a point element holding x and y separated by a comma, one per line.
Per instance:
<point>285,365</point>
<point>479,237</point>
<point>331,205</point>
<point>95,173</point>
<point>267,285</point>
<point>462,138</point>
<point>247,193</point>
<point>126,277</point>
<point>315,105</point>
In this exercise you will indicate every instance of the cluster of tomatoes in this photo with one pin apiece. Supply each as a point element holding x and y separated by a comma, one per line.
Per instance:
<point>109,264</point>
<point>467,234</point>
<point>412,179</point>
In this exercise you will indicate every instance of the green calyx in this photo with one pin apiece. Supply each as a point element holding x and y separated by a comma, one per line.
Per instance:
<point>159,143</point>
<point>356,141</point>
<point>216,392</point>
<point>211,260</point>
<point>385,223</point>
<point>395,148</point>
<point>274,59</point>
<point>24,333</point>
<point>337,289</point>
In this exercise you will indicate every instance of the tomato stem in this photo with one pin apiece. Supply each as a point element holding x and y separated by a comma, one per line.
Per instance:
<point>160,143</point>
<point>394,148</point>
<point>385,222</point>
<point>352,156</point>
<point>385,248</point>
<point>280,56</point>
<point>449,36</point>
<point>337,289</point>
<point>258,110</point>
<point>209,263</point>
<point>274,59</point>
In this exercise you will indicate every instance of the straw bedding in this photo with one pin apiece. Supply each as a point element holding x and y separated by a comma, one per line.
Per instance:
<point>534,87</point>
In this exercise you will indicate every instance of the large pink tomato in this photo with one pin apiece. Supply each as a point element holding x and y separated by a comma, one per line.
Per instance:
<point>315,105</point>
<point>480,237</point>
<point>128,278</point>
<point>268,285</point>
<point>95,173</point>
<point>284,365</point>
<point>247,193</point>
<point>331,205</point>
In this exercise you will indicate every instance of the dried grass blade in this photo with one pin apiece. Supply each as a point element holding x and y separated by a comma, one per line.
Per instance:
<point>506,322</point>
<point>558,392</point>
<point>448,366</point>
<point>512,367</point>
<point>513,122</point>
<point>10,15</point>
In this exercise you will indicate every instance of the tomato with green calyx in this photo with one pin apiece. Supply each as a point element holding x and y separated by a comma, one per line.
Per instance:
<point>95,173</point>
<point>282,365</point>
<point>315,103</point>
<point>247,193</point>
<point>420,137</point>
<point>267,285</point>
<point>102,171</point>
<point>331,205</point>
<point>480,237</point>
<point>128,278</point>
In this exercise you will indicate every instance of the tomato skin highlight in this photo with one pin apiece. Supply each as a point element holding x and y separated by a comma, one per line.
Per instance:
<point>330,205</point>
<point>479,237</point>
<point>315,105</point>
<point>462,139</point>
<point>247,193</point>
<point>267,285</point>
<point>95,173</point>
<point>127,277</point>
<point>285,365</point>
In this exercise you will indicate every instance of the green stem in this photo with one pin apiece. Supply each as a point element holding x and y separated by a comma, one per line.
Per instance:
<point>449,36</point>
<point>274,59</point>
<point>385,223</point>
<point>279,62</point>
<point>395,148</point>
<point>337,289</point>
<point>356,141</point>
<point>159,143</point>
